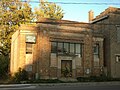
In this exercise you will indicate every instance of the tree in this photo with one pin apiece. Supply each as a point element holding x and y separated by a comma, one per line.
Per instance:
<point>3,66</point>
<point>12,14</point>
<point>48,10</point>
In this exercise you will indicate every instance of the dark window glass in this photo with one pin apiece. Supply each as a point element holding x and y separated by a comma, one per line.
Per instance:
<point>28,48</point>
<point>66,48</point>
<point>60,47</point>
<point>54,47</point>
<point>96,50</point>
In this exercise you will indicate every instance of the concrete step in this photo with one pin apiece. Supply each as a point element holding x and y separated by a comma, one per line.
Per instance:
<point>68,79</point>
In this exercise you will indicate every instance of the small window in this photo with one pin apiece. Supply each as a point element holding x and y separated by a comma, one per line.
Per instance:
<point>28,48</point>
<point>30,39</point>
<point>117,58</point>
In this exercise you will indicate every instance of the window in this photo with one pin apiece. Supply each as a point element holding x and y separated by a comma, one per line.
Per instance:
<point>117,58</point>
<point>60,47</point>
<point>78,49</point>
<point>118,34</point>
<point>53,47</point>
<point>96,50</point>
<point>96,55</point>
<point>66,47</point>
<point>30,39</point>
<point>72,48</point>
<point>28,48</point>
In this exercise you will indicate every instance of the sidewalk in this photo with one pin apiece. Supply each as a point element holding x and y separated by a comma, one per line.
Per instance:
<point>14,85</point>
<point>80,83</point>
<point>60,84</point>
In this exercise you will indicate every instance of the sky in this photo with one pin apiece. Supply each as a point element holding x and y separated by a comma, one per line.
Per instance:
<point>79,12</point>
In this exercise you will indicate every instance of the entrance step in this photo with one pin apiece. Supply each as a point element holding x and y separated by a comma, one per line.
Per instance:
<point>68,79</point>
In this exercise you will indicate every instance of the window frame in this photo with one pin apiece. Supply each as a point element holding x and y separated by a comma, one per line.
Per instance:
<point>73,48</point>
<point>96,46</point>
<point>60,52</point>
<point>63,48</point>
<point>52,51</point>
<point>29,50</point>
<point>117,58</point>
<point>68,51</point>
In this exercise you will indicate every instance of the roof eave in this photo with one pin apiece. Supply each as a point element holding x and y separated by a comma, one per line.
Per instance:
<point>99,19</point>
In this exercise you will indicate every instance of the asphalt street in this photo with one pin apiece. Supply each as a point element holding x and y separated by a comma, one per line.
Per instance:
<point>68,86</point>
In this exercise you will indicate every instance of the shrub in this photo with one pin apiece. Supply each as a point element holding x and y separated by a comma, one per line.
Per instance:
<point>93,78</point>
<point>4,64</point>
<point>21,75</point>
<point>46,81</point>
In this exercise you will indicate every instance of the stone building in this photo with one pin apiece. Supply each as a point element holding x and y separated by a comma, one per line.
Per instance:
<point>53,49</point>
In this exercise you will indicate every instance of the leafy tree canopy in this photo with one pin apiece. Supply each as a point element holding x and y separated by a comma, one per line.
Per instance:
<point>12,14</point>
<point>48,10</point>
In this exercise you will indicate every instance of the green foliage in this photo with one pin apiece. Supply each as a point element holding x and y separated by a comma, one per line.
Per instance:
<point>4,60</point>
<point>49,10</point>
<point>21,75</point>
<point>12,14</point>
<point>66,72</point>
<point>46,81</point>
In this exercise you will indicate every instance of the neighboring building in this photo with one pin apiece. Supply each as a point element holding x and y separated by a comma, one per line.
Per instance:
<point>53,49</point>
<point>108,23</point>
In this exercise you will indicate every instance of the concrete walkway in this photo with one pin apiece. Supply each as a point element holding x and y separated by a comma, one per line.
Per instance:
<point>59,84</point>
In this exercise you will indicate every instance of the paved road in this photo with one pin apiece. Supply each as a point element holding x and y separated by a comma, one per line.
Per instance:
<point>94,86</point>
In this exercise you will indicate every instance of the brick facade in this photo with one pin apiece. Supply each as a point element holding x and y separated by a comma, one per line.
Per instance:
<point>48,65</point>
<point>108,23</point>
<point>41,62</point>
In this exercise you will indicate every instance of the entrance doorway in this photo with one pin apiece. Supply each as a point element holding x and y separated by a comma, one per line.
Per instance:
<point>66,68</point>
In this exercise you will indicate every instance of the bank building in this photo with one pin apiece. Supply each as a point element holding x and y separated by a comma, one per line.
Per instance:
<point>54,49</point>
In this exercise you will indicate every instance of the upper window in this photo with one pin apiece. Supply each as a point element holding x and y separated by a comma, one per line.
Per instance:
<point>72,48</point>
<point>60,47</point>
<point>96,50</point>
<point>66,48</point>
<point>30,38</point>
<point>78,48</point>
<point>28,48</point>
<point>118,34</point>
<point>54,47</point>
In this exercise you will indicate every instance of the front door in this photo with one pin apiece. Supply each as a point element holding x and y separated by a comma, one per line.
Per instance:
<point>66,68</point>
